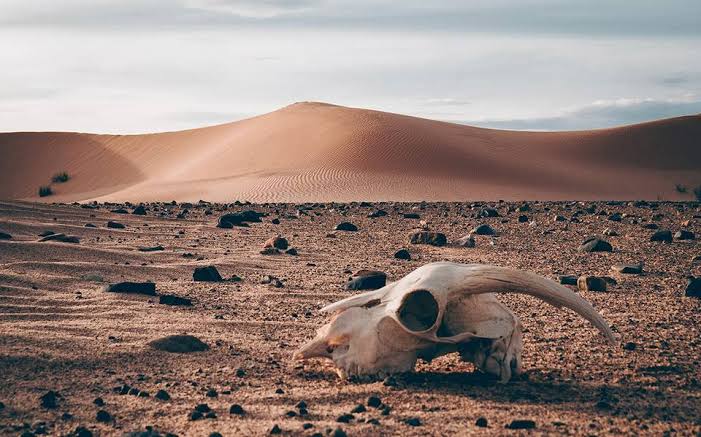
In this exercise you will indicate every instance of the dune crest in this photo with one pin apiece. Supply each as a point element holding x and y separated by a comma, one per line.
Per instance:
<point>322,152</point>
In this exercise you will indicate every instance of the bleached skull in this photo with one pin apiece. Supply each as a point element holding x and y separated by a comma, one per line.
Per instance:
<point>437,309</point>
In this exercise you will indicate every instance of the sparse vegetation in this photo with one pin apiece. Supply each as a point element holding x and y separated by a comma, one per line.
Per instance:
<point>45,190</point>
<point>681,189</point>
<point>60,177</point>
<point>697,193</point>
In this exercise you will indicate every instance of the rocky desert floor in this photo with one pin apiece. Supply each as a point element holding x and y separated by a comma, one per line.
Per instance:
<point>69,349</point>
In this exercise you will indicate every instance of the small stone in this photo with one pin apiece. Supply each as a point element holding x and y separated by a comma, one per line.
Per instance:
<point>345,418</point>
<point>360,408</point>
<point>169,299</point>
<point>610,232</point>
<point>374,402</point>
<point>591,283</point>
<point>215,434</point>
<point>402,254</point>
<point>628,269</point>
<point>430,238</point>
<point>521,424</point>
<point>162,395</point>
<point>346,226</point>
<point>62,238</point>
<point>291,414</point>
<point>203,408</point>
<point>301,405</point>
<point>147,288</point>
<point>523,219</point>
<point>307,425</point>
<point>115,225</point>
<point>662,236</point>
<point>139,210</point>
<point>5,236</point>
<point>559,218</point>
<point>82,432</point>
<point>179,344</point>
<point>338,432</point>
<point>568,280</point>
<point>466,241</point>
<point>411,215</point>
<point>275,221</point>
<point>484,230</point>
<point>386,410</point>
<point>279,391</point>
<point>237,410</point>
<point>693,287</point>
<point>277,242</point>
<point>414,421</point>
<point>367,280</point>
<point>150,248</point>
<point>481,422</point>
<point>276,430</point>
<point>684,235</point>
<point>103,416</point>
<point>49,400</point>
<point>211,393</point>
<point>196,415</point>
<point>99,402</point>
<point>630,346</point>
<point>594,244</point>
<point>206,274</point>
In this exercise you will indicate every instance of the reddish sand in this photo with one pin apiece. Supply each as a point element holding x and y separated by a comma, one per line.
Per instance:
<point>322,152</point>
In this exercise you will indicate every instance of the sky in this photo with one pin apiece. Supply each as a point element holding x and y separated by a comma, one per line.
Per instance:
<point>134,66</point>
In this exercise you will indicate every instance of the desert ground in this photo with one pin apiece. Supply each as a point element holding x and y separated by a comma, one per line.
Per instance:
<point>318,152</point>
<point>61,332</point>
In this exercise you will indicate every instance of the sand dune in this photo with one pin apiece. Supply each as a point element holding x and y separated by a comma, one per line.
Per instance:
<point>322,152</point>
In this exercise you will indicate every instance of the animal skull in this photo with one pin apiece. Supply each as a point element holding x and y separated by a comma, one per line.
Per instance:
<point>437,309</point>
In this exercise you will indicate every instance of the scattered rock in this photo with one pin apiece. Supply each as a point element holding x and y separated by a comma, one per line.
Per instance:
<point>411,215</point>
<point>162,395</point>
<point>402,254</point>
<point>591,283</point>
<point>346,226</point>
<point>103,416</point>
<point>228,221</point>
<point>277,242</point>
<point>378,213</point>
<point>275,430</point>
<point>237,409</point>
<point>521,424</point>
<point>523,219</point>
<point>291,251</point>
<point>684,235</point>
<point>269,251</point>
<point>466,241</point>
<point>367,280</point>
<point>630,346</point>
<point>139,210</point>
<point>615,217</point>
<point>63,238</point>
<point>693,287</point>
<point>628,269</point>
<point>426,237</point>
<point>147,288</point>
<point>481,422</point>
<point>414,421</point>
<point>489,212</point>
<point>374,402</point>
<point>559,218</point>
<point>594,244</point>
<point>49,400</point>
<point>345,418</point>
<point>662,236</point>
<point>170,299</point>
<point>360,408</point>
<point>151,248</point>
<point>5,236</point>
<point>115,225</point>
<point>206,274</point>
<point>568,280</point>
<point>483,230</point>
<point>179,344</point>
<point>610,232</point>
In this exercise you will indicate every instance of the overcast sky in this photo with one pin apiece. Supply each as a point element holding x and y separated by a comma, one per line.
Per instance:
<point>130,66</point>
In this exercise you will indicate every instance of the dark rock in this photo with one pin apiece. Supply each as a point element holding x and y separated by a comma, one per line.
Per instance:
<point>203,408</point>
<point>275,221</point>
<point>628,269</point>
<point>277,242</point>
<point>120,211</point>
<point>82,432</point>
<point>338,432</point>
<point>662,236</point>
<point>196,415</point>
<point>559,218</point>
<point>402,254</point>
<point>489,212</point>
<point>275,430</point>
<point>228,221</point>
<point>139,210</point>
<point>49,399</point>
<point>521,424</point>
<point>360,408</point>
<point>63,238</point>
<point>237,409</point>
<point>411,215</point>
<point>151,249</point>
<point>291,251</point>
<point>522,218</point>
<point>345,418</point>
<point>481,422</point>
<point>115,225</point>
<point>211,393</point>
<point>346,226</point>
<point>414,421</point>
<point>693,287</point>
<point>610,232</point>
<point>466,241</point>
<point>374,402</point>
<point>615,217</point>
<point>591,283</point>
<point>270,251</point>
<point>483,230</point>
<point>99,402</point>
<point>594,244</point>
<point>651,226</point>
<point>630,346</point>
<point>367,280</point>
<point>301,405</point>
<point>432,238</point>
<point>103,416</point>
<point>170,299</point>
<point>5,236</point>
<point>162,395</point>
<point>206,274</point>
<point>147,288</point>
<point>179,344</point>
<point>684,235</point>
<point>568,280</point>
<point>378,213</point>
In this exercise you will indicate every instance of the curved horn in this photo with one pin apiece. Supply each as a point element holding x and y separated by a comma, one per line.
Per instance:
<point>358,300</point>
<point>479,279</point>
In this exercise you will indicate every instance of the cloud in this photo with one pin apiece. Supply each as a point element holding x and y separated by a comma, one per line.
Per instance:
<point>602,114</point>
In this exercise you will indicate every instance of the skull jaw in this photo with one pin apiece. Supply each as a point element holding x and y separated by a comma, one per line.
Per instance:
<point>399,362</point>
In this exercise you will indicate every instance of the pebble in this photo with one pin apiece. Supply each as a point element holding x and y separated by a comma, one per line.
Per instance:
<point>115,225</point>
<point>179,344</point>
<point>594,244</point>
<point>277,242</point>
<point>591,283</point>
<point>5,236</point>
<point>103,416</point>
<point>346,226</point>
<point>628,269</point>
<point>275,430</point>
<point>430,238</point>
<point>170,299</point>
<point>414,421</point>
<point>49,399</point>
<point>484,230</point>
<point>466,241</point>
<point>206,274</point>
<point>481,422</point>
<point>345,418</point>
<point>684,235</point>
<point>521,424</point>
<point>663,236</point>
<point>693,287</point>
<point>237,409</point>
<point>402,254</point>
<point>360,408</point>
<point>162,395</point>
<point>374,402</point>
<point>367,280</point>
<point>147,288</point>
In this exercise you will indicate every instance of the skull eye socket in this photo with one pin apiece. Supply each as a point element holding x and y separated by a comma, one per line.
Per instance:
<point>330,349</point>
<point>418,311</point>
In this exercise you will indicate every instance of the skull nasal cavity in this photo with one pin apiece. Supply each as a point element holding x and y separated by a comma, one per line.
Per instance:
<point>418,311</point>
